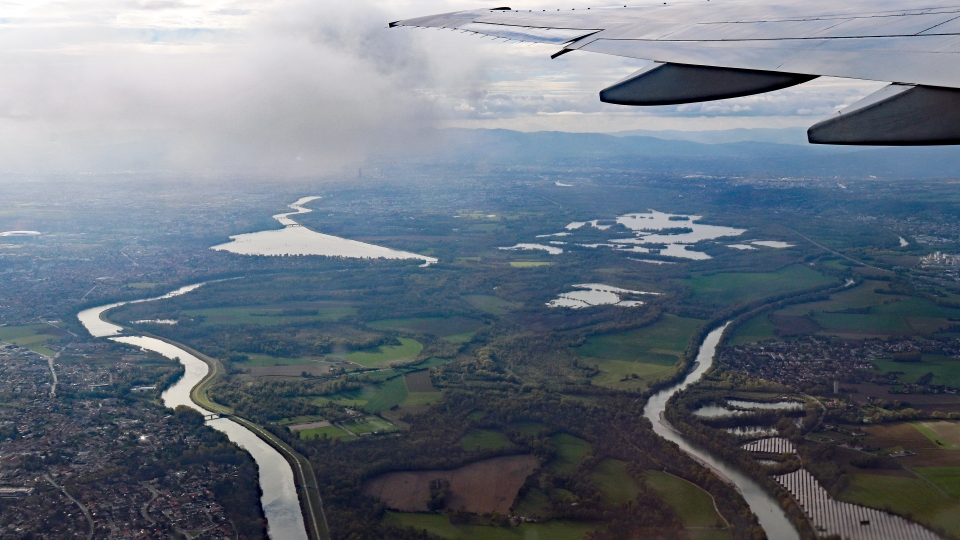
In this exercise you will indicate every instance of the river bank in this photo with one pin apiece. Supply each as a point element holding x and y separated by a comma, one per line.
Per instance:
<point>278,464</point>
<point>768,511</point>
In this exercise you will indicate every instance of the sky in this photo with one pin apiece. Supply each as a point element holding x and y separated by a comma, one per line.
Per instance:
<point>292,87</point>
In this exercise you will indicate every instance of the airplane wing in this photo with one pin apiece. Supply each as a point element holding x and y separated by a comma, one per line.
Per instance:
<point>717,49</point>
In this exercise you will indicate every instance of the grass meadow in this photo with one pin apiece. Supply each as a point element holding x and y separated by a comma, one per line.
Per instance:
<point>739,288</point>
<point>945,478</point>
<point>924,502</point>
<point>491,304</point>
<point>266,316</point>
<point>408,348</point>
<point>484,439</point>
<point>944,434</point>
<point>692,504</point>
<point>440,525</point>
<point>661,343</point>
<point>617,485</point>
<point>534,503</point>
<point>856,313</point>
<point>370,424</point>
<point>388,393</point>
<point>32,336</point>
<point>570,451</point>
<point>624,375</point>
<point>329,431</point>
<point>455,329</point>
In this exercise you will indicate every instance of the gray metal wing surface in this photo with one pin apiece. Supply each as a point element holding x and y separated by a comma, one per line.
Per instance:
<point>716,49</point>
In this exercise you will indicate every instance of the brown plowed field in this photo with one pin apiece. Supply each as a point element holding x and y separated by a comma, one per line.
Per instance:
<point>902,434</point>
<point>486,486</point>
<point>419,381</point>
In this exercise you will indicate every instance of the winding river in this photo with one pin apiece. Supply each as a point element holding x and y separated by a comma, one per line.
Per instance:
<point>772,517</point>
<point>280,502</point>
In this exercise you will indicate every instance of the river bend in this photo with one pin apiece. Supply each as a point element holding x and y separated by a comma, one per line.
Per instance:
<point>280,503</point>
<point>768,511</point>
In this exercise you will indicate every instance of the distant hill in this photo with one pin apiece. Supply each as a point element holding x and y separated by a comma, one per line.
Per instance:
<point>647,154</point>
<point>719,136</point>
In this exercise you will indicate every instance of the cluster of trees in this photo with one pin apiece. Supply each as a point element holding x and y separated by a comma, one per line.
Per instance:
<point>265,401</point>
<point>713,388</point>
<point>612,425</point>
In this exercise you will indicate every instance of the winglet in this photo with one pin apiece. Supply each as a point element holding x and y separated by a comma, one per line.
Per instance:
<point>560,53</point>
<point>394,24</point>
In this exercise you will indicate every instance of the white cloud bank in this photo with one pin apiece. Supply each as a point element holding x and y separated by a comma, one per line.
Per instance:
<point>301,87</point>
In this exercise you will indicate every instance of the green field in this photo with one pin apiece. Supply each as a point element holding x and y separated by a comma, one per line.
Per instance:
<point>439,525</point>
<point>142,285</point>
<point>370,424</point>
<point>613,373</point>
<point>661,343</point>
<point>263,316</point>
<point>529,264</point>
<point>455,329</point>
<point>387,389</point>
<point>616,484</point>
<point>484,439</point>
<point>902,316</point>
<point>351,398</point>
<point>32,336</point>
<point>570,451</point>
<point>534,503</point>
<point>861,296</point>
<point>491,304</point>
<point>300,420</point>
<point>422,398</point>
<point>459,338</point>
<point>859,312</point>
<point>266,360</point>
<point>388,394</point>
<point>946,478</point>
<point>740,288</point>
<point>925,503</point>
<point>709,534</point>
<point>946,370</point>
<point>944,434</point>
<point>756,329</point>
<point>692,504</point>
<point>408,348</point>
<point>529,428</point>
<point>330,431</point>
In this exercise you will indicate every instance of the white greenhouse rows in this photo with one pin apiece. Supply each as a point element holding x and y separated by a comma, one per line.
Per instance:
<point>847,520</point>
<point>773,445</point>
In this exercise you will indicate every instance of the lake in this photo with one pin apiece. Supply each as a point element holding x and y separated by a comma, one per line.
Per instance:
<point>295,239</point>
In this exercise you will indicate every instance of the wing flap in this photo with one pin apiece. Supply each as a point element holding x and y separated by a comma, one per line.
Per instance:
<point>737,31</point>
<point>864,39</point>
<point>898,25</point>
<point>528,33</point>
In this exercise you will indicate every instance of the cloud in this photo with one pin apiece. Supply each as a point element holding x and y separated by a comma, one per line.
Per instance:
<point>298,88</point>
<point>301,87</point>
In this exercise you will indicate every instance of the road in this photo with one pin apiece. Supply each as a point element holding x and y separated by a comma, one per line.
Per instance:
<point>86,512</point>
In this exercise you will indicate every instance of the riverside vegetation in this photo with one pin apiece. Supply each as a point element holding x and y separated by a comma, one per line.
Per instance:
<point>372,368</point>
